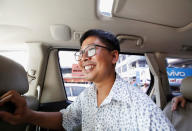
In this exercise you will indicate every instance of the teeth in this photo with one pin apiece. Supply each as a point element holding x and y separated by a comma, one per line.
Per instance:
<point>88,67</point>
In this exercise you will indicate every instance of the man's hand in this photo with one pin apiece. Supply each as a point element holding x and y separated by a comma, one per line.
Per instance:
<point>21,113</point>
<point>176,101</point>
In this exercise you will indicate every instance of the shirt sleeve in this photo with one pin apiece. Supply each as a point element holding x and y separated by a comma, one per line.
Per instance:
<point>159,122</point>
<point>71,116</point>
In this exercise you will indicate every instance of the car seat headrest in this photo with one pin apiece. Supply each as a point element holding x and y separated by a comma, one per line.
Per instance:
<point>186,88</point>
<point>12,76</point>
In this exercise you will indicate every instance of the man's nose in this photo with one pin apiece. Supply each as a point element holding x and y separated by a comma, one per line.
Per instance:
<point>85,57</point>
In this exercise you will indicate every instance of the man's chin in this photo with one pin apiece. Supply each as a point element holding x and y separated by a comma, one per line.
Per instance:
<point>89,78</point>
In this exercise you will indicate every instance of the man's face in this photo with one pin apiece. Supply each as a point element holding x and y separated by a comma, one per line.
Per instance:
<point>99,66</point>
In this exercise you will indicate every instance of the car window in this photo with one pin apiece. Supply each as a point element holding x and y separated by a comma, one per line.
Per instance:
<point>177,70</point>
<point>18,55</point>
<point>135,70</point>
<point>132,68</point>
<point>73,77</point>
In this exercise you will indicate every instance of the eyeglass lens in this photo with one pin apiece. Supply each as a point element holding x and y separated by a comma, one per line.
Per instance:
<point>89,52</point>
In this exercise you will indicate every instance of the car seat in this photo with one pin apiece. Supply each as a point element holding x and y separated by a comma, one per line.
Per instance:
<point>182,117</point>
<point>14,77</point>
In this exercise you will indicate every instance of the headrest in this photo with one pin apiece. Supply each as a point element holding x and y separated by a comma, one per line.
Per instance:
<point>12,76</point>
<point>186,87</point>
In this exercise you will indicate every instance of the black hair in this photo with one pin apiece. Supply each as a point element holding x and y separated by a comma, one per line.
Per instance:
<point>106,37</point>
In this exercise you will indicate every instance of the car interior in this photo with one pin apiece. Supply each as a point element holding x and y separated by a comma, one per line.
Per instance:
<point>183,115</point>
<point>38,40</point>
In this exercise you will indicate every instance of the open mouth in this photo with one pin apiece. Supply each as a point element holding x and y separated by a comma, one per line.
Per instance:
<point>88,67</point>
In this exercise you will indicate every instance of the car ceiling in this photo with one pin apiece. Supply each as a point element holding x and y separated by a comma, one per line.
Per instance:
<point>163,25</point>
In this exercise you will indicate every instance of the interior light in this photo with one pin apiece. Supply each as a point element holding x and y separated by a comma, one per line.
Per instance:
<point>105,7</point>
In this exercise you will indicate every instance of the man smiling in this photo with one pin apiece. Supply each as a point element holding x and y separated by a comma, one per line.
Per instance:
<point>109,104</point>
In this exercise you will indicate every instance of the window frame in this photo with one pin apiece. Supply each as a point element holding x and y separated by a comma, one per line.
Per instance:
<point>125,53</point>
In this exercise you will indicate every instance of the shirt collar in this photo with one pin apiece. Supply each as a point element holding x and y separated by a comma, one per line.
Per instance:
<point>119,91</point>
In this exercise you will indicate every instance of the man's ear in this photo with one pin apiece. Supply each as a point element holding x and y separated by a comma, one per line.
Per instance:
<point>115,56</point>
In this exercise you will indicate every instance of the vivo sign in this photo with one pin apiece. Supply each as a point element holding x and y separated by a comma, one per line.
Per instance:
<point>179,73</point>
<point>174,73</point>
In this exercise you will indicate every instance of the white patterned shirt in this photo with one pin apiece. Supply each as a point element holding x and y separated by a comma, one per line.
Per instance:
<point>125,108</point>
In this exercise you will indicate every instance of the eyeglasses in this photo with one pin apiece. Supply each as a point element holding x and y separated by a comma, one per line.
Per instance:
<point>88,51</point>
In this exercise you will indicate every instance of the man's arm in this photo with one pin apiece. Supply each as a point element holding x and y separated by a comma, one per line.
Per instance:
<point>23,114</point>
<point>52,120</point>
<point>159,122</point>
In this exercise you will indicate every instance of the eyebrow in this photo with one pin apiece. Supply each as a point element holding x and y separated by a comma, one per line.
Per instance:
<point>89,45</point>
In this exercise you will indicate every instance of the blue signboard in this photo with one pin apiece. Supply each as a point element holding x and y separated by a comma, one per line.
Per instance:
<point>179,73</point>
<point>176,75</point>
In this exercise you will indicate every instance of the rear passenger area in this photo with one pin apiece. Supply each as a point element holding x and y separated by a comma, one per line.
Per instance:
<point>182,117</point>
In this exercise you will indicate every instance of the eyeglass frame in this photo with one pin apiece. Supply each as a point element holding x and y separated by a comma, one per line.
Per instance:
<point>83,51</point>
